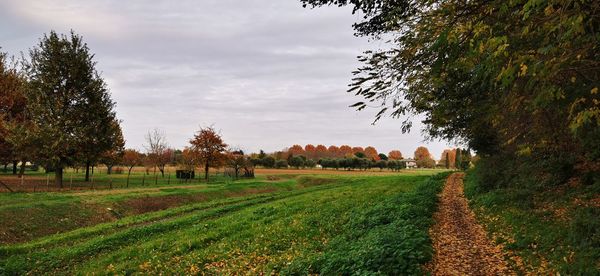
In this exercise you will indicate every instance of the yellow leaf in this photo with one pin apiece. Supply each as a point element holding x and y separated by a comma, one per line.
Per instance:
<point>594,90</point>
<point>523,70</point>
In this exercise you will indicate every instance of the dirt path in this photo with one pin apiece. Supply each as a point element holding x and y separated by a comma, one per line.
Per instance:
<point>460,243</point>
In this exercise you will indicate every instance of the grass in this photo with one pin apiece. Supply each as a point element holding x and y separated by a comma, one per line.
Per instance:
<point>328,224</point>
<point>548,231</point>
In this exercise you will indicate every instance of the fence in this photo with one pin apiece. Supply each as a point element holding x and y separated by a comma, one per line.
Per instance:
<point>46,183</point>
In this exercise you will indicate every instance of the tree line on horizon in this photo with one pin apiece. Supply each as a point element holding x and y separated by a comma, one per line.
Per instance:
<point>349,157</point>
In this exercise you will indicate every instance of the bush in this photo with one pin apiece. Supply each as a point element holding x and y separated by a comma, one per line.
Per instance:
<point>268,162</point>
<point>281,164</point>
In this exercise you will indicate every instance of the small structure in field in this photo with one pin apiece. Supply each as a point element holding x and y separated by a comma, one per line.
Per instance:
<point>410,163</point>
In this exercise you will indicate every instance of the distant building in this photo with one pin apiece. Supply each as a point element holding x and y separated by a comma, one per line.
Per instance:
<point>410,163</point>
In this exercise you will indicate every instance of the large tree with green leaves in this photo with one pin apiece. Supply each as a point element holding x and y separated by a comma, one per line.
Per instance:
<point>517,79</point>
<point>69,103</point>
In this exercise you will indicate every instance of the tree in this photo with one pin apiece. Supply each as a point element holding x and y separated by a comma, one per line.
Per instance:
<point>158,150</point>
<point>237,161</point>
<point>371,153</point>
<point>282,163</point>
<point>297,162</point>
<point>463,159</point>
<point>69,103</point>
<point>395,155</point>
<point>210,148</point>
<point>357,149</point>
<point>346,151</point>
<point>309,163</point>
<point>423,158</point>
<point>458,158</point>
<point>188,159</point>
<point>114,155</point>
<point>131,158</point>
<point>381,164</point>
<point>295,150</point>
<point>447,160</point>
<point>515,81</point>
<point>320,152</point>
<point>360,154</point>
<point>268,162</point>
<point>13,119</point>
<point>333,152</point>
<point>382,156</point>
<point>310,151</point>
<point>448,157</point>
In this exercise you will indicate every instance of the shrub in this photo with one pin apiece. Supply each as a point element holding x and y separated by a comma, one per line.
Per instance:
<point>281,164</point>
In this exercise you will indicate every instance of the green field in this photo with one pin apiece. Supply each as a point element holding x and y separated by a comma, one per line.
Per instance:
<point>332,224</point>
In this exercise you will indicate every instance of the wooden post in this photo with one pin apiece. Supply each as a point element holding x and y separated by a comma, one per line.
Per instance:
<point>92,178</point>
<point>71,181</point>
<point>169,179</point>
<point>47,182</point>
<point>110,181</point>
<point>155,179</point>
<point>22,180</point>
<point>6,186</point>
<point>143,179</point>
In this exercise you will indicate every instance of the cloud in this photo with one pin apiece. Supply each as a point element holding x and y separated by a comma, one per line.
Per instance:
<point>267,73</point>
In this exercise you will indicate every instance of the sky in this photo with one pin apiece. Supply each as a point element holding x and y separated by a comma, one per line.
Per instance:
<point>267,74</point>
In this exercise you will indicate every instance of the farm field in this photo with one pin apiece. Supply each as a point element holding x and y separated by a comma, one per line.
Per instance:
<point>39,181</point>
<point>291,223</point>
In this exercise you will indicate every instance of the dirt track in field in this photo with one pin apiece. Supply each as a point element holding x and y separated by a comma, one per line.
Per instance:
<point>461,244</point>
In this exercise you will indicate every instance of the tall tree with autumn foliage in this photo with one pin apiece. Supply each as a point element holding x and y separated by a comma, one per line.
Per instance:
<point>130,159</point>
<point>320,152</point>
<point>395,155</point>
<point>423,158</point>
<point>12,111</point>
<point>333,152</point>
<point>309,151</point>
<point>210,148</point>
<point>295,150</point>
<point>371,153</point>
<point>346,151</point>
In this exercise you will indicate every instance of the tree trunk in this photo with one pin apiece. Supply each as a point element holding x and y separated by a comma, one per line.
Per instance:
<point>15,163</point>
<point>109,169</point>
<point>22,171</point>
<point>128,174</point>
<point>58,179</point>
<point>87,171</point>
<point>206,171</point>
<point>5,167</point>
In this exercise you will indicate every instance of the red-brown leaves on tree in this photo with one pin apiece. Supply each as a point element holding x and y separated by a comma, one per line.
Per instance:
<point>395,155</point>
<point>210,148</point>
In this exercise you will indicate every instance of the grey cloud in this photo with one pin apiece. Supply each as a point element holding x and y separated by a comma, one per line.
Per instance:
<point>267,73</point>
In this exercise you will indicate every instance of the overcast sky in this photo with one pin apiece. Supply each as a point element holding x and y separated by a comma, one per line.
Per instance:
<point>267,74</point>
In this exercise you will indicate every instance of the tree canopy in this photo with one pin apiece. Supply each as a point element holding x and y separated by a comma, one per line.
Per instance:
<point>517,78</point>
<point>68,103</point>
